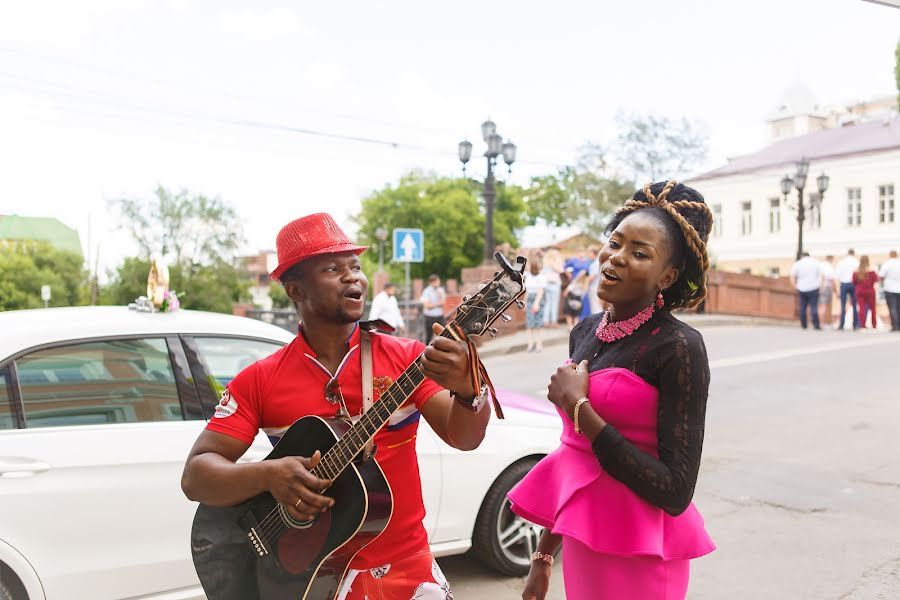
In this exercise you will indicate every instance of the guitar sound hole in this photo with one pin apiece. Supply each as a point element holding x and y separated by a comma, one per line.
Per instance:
<point>292,522</point>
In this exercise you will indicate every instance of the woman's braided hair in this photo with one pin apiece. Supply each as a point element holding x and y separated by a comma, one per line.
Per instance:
<point>688,221</point>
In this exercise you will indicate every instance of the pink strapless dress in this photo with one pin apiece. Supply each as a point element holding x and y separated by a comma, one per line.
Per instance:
<point>569,493</point>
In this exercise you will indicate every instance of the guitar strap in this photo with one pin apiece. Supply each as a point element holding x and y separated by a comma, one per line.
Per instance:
<point>365,356</point>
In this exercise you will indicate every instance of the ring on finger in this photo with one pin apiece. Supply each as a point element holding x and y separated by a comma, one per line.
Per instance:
<point>299,502</point>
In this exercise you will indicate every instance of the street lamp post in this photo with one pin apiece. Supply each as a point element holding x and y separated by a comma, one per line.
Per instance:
<point>798,181</point>
<point>381,233</point>
<point>495,148</point>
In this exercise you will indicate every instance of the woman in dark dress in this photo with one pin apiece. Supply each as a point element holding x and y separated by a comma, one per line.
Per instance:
<point>617,492</point>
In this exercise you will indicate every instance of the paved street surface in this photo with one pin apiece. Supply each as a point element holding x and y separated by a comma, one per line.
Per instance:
<point>800,480</point>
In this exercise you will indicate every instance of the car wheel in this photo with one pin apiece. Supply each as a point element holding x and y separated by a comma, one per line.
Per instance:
<point>5,594</point>
<point>502,539</point>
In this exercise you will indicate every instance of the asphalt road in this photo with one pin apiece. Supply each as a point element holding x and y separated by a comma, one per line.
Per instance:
<point>800,479</point>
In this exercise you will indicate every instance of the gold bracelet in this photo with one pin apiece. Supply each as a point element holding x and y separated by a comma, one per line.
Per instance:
<point>575,413</point>
<point>547,558</point>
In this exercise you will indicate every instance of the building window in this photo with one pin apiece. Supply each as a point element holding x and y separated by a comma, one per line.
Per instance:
<point>854,207</point>
<point>814,214</point>
<point>886,203</point>
<point>746,218</point>
<point>774,215</point>
<point>774,272</point>
<point>717,220</point>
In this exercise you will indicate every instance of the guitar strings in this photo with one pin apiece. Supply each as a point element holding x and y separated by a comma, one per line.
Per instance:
<point>274,523</point>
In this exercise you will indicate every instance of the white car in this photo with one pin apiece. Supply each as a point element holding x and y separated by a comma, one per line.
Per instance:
<point>98,409</point>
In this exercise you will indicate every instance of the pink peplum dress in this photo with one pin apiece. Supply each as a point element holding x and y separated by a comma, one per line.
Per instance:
<point>615,544</point>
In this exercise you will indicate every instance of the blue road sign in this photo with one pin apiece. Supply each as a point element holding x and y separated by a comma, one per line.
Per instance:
<point>409,245</point>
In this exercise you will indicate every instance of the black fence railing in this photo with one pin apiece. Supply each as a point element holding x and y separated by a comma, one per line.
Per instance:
<point>286,318</point>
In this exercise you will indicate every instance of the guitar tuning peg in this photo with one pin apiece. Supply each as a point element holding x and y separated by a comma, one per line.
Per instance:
<point>520,305</point>
<point>466,298</point>
<point>493,331</point>
<point>506,318</point>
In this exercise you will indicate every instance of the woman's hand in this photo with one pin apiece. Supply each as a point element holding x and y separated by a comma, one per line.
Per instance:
<point>568,385</point>
<point>538,581</point>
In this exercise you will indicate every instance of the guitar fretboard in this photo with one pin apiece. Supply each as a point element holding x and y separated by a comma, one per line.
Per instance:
<point>342,453</point>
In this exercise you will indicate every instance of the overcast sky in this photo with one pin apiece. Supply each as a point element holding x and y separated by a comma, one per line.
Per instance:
<point>103,99</point>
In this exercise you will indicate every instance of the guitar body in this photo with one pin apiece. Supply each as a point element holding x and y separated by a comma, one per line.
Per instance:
<point>253,551</point>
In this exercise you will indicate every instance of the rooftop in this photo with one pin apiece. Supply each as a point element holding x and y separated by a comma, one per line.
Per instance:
<point>872,136</point>
<point>40,229</point>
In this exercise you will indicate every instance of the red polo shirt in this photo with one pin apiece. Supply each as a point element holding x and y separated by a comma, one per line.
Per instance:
<point>274,392</point>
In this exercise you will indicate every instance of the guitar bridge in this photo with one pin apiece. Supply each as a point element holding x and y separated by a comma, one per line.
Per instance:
<point>257,542</point>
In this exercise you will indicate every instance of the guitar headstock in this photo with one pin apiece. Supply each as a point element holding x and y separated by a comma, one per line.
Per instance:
<point>476,313</point>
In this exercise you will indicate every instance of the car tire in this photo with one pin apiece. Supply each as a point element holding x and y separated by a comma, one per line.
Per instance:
<point>502,540</point>
<point>11,587</point>
<point>5,593</point>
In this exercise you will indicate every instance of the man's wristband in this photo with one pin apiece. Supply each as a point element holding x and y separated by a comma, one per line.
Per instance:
<point>473,404</point>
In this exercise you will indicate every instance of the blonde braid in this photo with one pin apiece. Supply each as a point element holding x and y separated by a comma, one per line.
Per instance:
<point>696,241</point>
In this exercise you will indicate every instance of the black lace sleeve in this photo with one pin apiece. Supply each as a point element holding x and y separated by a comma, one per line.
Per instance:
<point>679,368</point>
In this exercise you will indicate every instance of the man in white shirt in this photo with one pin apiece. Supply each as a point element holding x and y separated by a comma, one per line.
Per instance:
<point>845,270</point>
<point>890,282</point>
<point>806,275</point>
<point>829,288</point>
<point>385,307</point>
<point>432,299</point>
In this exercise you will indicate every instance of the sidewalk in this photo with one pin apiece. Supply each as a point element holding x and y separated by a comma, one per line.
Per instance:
<point>518,341</point>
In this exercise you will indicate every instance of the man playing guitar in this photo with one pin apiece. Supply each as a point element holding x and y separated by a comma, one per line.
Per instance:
<point>316,374</point>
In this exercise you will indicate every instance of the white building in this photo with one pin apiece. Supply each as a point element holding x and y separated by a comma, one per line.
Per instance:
<point>756,227</point>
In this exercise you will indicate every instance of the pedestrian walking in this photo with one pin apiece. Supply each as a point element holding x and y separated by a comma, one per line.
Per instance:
<point>845,269</point>
<point>573,299</point>
<point>828,291</point>
<point>806,276</point>
<point>432,299</point>
<point>890,283</point>
<point>617,492</point>
<point>553,269</point>
<point>386,308</point>
<point>864,280</point>
<point>535,288</point>
<point>593,281</point>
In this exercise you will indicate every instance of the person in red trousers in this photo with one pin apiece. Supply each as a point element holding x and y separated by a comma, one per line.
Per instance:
<point>865,279</point>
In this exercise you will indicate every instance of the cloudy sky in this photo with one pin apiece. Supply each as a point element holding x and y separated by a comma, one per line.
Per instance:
<point>101,99</point>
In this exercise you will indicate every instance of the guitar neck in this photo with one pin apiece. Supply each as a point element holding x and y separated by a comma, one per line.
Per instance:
<point>351,444</point>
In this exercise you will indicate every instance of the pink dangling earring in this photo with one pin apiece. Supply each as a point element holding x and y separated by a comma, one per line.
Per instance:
<point>660,301</point>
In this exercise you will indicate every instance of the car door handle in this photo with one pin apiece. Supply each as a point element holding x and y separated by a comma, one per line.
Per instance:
<point>12,464</point>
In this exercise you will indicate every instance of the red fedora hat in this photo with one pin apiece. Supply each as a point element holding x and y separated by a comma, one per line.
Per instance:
<point>310,236</point>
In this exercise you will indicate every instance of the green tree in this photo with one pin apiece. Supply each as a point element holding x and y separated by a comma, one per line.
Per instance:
<point>181,227</point>
<point>214,287</point>
<point>583,195</point>
<point>897,71</point>
<point>197,236</point>
<point>450,213</point>
<point>655,147</point>
<point>279,296</point>
<point>26,266</point>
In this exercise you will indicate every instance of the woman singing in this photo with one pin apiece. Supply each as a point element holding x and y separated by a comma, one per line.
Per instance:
<point>617,492</point>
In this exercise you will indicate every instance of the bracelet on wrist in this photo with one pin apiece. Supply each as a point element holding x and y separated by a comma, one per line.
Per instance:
<point>575,413</point>
<point>547,558</point>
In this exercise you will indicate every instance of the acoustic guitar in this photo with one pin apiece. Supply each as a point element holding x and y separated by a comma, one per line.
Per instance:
<point>257,551</point>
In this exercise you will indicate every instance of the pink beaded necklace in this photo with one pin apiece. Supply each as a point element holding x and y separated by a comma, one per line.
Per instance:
<point>610,332</point>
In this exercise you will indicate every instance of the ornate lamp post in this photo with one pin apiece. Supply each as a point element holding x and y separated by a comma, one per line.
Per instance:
<point>798,181</point>
<point>495,148</point>
<point>381,233</point>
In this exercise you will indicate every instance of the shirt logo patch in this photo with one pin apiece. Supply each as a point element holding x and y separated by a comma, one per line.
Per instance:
<point>380,384</point>
<point>227,406</point>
